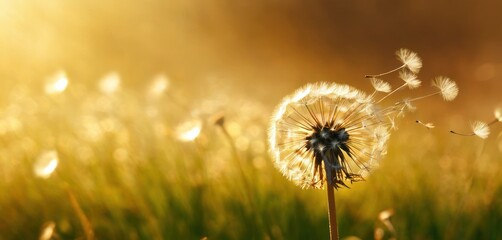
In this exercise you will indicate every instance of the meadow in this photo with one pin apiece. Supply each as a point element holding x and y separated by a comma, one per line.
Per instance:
<point>114,162</point>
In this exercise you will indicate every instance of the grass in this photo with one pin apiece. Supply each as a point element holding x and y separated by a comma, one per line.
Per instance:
<point>120,157</point>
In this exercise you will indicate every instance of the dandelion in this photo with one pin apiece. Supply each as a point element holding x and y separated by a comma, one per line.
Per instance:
<point>479,128</point>
<point>409,79</point>
<point>48,231</point>
<point>327,133</point>
<point>45,164</point>
<point>410,60</point>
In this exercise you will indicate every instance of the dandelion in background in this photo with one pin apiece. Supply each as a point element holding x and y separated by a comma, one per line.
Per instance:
<point>189,131</point>
<point>48,231</point>
<point>46,164</point>
<point>56,83</point>
<point>110,83</point>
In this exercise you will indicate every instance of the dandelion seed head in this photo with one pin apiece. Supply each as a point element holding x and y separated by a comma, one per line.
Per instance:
<point>480,129</point>
<point>410,59</point>
<point>448,88</point>
<point>380,86</point>
<point>410,78</point>
<point>323,133</point>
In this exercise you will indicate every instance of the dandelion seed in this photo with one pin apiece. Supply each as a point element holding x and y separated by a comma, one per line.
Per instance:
<point>410,60</point>
<point>56,83</point>
<point>426,125</point>
<point>189,131</point>
<point>446,86</point>
<point>410,79</point>
<point>380,85</point>
<point>323,133</point>
<point>480,129</point>
<point>46,163</point>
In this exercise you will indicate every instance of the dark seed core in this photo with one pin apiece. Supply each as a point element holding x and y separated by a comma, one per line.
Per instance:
<point>327,137</point>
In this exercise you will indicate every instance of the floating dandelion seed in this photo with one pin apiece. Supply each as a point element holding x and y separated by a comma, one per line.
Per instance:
<point>410,79</point>
<point>380,85</point>
<point>189,131</point>
<point>479,128</point>
<point>447,87</point>
<point>57,83</point>
<point>46,164</point>
<point>409,59</point>
<point>324,133</point>
<point>110,83</point>
<point>426,125</point>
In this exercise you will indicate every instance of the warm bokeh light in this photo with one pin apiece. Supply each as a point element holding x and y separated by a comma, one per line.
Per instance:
<point>189,130</point>
<point>110,83</point>
<point>159,85</point>
<point>46,164</point>
<point>57,83</point>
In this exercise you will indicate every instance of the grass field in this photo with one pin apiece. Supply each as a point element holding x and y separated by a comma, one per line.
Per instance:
<point>131,164</point>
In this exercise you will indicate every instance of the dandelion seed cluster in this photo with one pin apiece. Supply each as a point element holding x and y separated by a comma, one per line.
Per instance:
<point>327,133</point>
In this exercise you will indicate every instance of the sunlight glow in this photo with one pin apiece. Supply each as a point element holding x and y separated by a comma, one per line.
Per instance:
<point>159,85</point>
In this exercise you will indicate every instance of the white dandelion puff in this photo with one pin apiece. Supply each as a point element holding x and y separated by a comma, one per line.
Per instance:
<point>426,125</point>
<point>446,86</point>
<point>189,130</point>
<point>410,79</point>
<point>56,83</point>
<point>380,85</point>
<point>410,60</point>
<point>498,114</point>
<point>46,164</point>
<point>324,133</point>
<point>480,129</point>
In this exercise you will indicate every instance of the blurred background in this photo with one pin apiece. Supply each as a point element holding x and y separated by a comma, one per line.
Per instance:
<point>147,120</point>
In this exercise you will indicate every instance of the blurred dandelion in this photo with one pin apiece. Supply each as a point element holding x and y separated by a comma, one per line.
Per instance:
<point>384,216</point>
<point>110,83</point>
<point>498,114</point>
<point>479,128</point>
<point>46,163</point>
<point>56,83</point>
<point>189,130</point>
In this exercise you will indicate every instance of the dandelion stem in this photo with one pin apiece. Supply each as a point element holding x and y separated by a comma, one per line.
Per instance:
<point>422,97</point>
<point>333,226</point>
<point>385,73</point>
<point>462,134</point>
<point>395,90</point>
